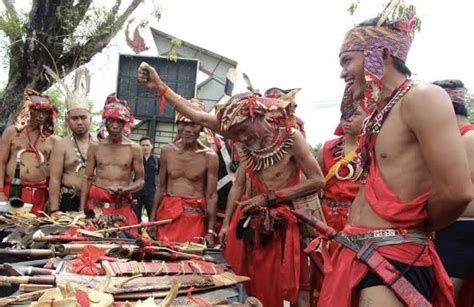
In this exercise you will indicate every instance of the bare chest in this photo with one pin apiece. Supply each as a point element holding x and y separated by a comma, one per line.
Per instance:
<point>28,146</point>
<point>189,165</point>
<point>279,174</point>
<point>112,155</point>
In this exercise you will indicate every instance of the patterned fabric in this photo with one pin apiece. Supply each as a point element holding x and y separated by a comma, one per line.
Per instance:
<point>36,101</point>
<point>195,104</point>
<point>115,108</point>
<point>457,95</point>
<point>372,40</point>
<point>243,106</point>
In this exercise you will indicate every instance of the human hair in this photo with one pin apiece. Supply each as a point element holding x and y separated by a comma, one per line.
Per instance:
<point>449,83</point>
<point>145,138</point>
<point>399,64</point>
<point>2,128</point>
<point>459,109</point>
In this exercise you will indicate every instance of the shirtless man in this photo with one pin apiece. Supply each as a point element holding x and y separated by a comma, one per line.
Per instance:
<point>113,160</point>
<point>69,158</point>
<point>409,186</point>
<point>31,140</point>
<point>455,243</point>
<point>272,158</point>
<point>188,187</point>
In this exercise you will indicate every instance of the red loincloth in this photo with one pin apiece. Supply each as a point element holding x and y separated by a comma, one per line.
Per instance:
<point>345,271</point>
<point>35,193</point>
<point>123,206</point>
<point>189,219</point>
<point>274,269</point>
<point>336,191</point>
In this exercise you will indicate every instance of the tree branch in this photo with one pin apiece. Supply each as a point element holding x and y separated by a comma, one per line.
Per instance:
<point>13,33</point>
<point>82,6</point>
<point>82,53</point>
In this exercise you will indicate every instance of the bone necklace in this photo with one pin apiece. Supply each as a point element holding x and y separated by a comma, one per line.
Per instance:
<point>77,149</point>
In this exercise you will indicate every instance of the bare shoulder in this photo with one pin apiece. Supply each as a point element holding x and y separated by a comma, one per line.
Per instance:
<point>93,147</point>
<point>135,146</point>
<point>299,141</point>
<point>426,102</point>
<point>426,95</point>
<point>211,155</point>
<point>54,138</point>
<point>10,131</point>
<point>62,143</point>
<point>468,140</point>
<point>166,150</point>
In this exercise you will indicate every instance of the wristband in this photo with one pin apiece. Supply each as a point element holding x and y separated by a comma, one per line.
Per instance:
<point>271,199</point>
<point>161,96</point>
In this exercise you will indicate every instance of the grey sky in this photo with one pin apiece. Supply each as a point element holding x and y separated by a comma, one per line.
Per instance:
<point>296,44</point>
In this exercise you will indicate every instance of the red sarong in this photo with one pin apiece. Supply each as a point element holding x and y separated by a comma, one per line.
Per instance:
<point>35,193</point>
<point>338,194</point>
<point>274,269</point>
<point>188,215</point>
<point>344,271</point>
<point>110,206</point>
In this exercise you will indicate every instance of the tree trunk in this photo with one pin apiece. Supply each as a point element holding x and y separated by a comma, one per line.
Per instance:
<point>44,46</point>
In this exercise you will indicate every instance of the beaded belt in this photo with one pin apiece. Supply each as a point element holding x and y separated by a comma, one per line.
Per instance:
<point>68,190</point>
<point>336,204</point>
<point>194,210</point>
<point>389,237</point>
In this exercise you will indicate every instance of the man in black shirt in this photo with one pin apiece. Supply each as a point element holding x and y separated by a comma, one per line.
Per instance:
<point>151,164</point>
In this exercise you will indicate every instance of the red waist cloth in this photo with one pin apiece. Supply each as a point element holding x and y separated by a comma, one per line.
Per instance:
<point>274,269</point>
<point>466,128</point>
<point>344,272</point>
<point>188,215</point>
<point>103,196</point>
<point>35,193</point>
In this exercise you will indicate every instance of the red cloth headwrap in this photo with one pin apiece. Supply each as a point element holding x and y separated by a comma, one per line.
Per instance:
<point>115,108</point>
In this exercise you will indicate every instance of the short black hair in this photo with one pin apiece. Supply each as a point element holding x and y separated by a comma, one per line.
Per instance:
<point>449,83</point>
<point>459,109</point>
<point>2,128</point>
<point>145,138</point>
<point>399,64</point>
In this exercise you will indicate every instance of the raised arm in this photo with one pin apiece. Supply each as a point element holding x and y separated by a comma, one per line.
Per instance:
<point>442,150</point>
<point>88,174</point>
<point>150,78</point>
<point>55,175</point>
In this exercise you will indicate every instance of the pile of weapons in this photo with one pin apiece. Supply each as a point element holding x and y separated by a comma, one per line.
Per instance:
<point>88,262</point>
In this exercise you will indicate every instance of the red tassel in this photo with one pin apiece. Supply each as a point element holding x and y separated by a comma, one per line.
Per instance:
<point>161,96</point>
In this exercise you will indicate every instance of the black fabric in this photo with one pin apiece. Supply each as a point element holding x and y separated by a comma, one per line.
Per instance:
<point>223,192</point>
<point>152,167</point>
<point>143,202</point>
<point>455,245</point>
<point>421,277</point>
<point>69,202</point>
